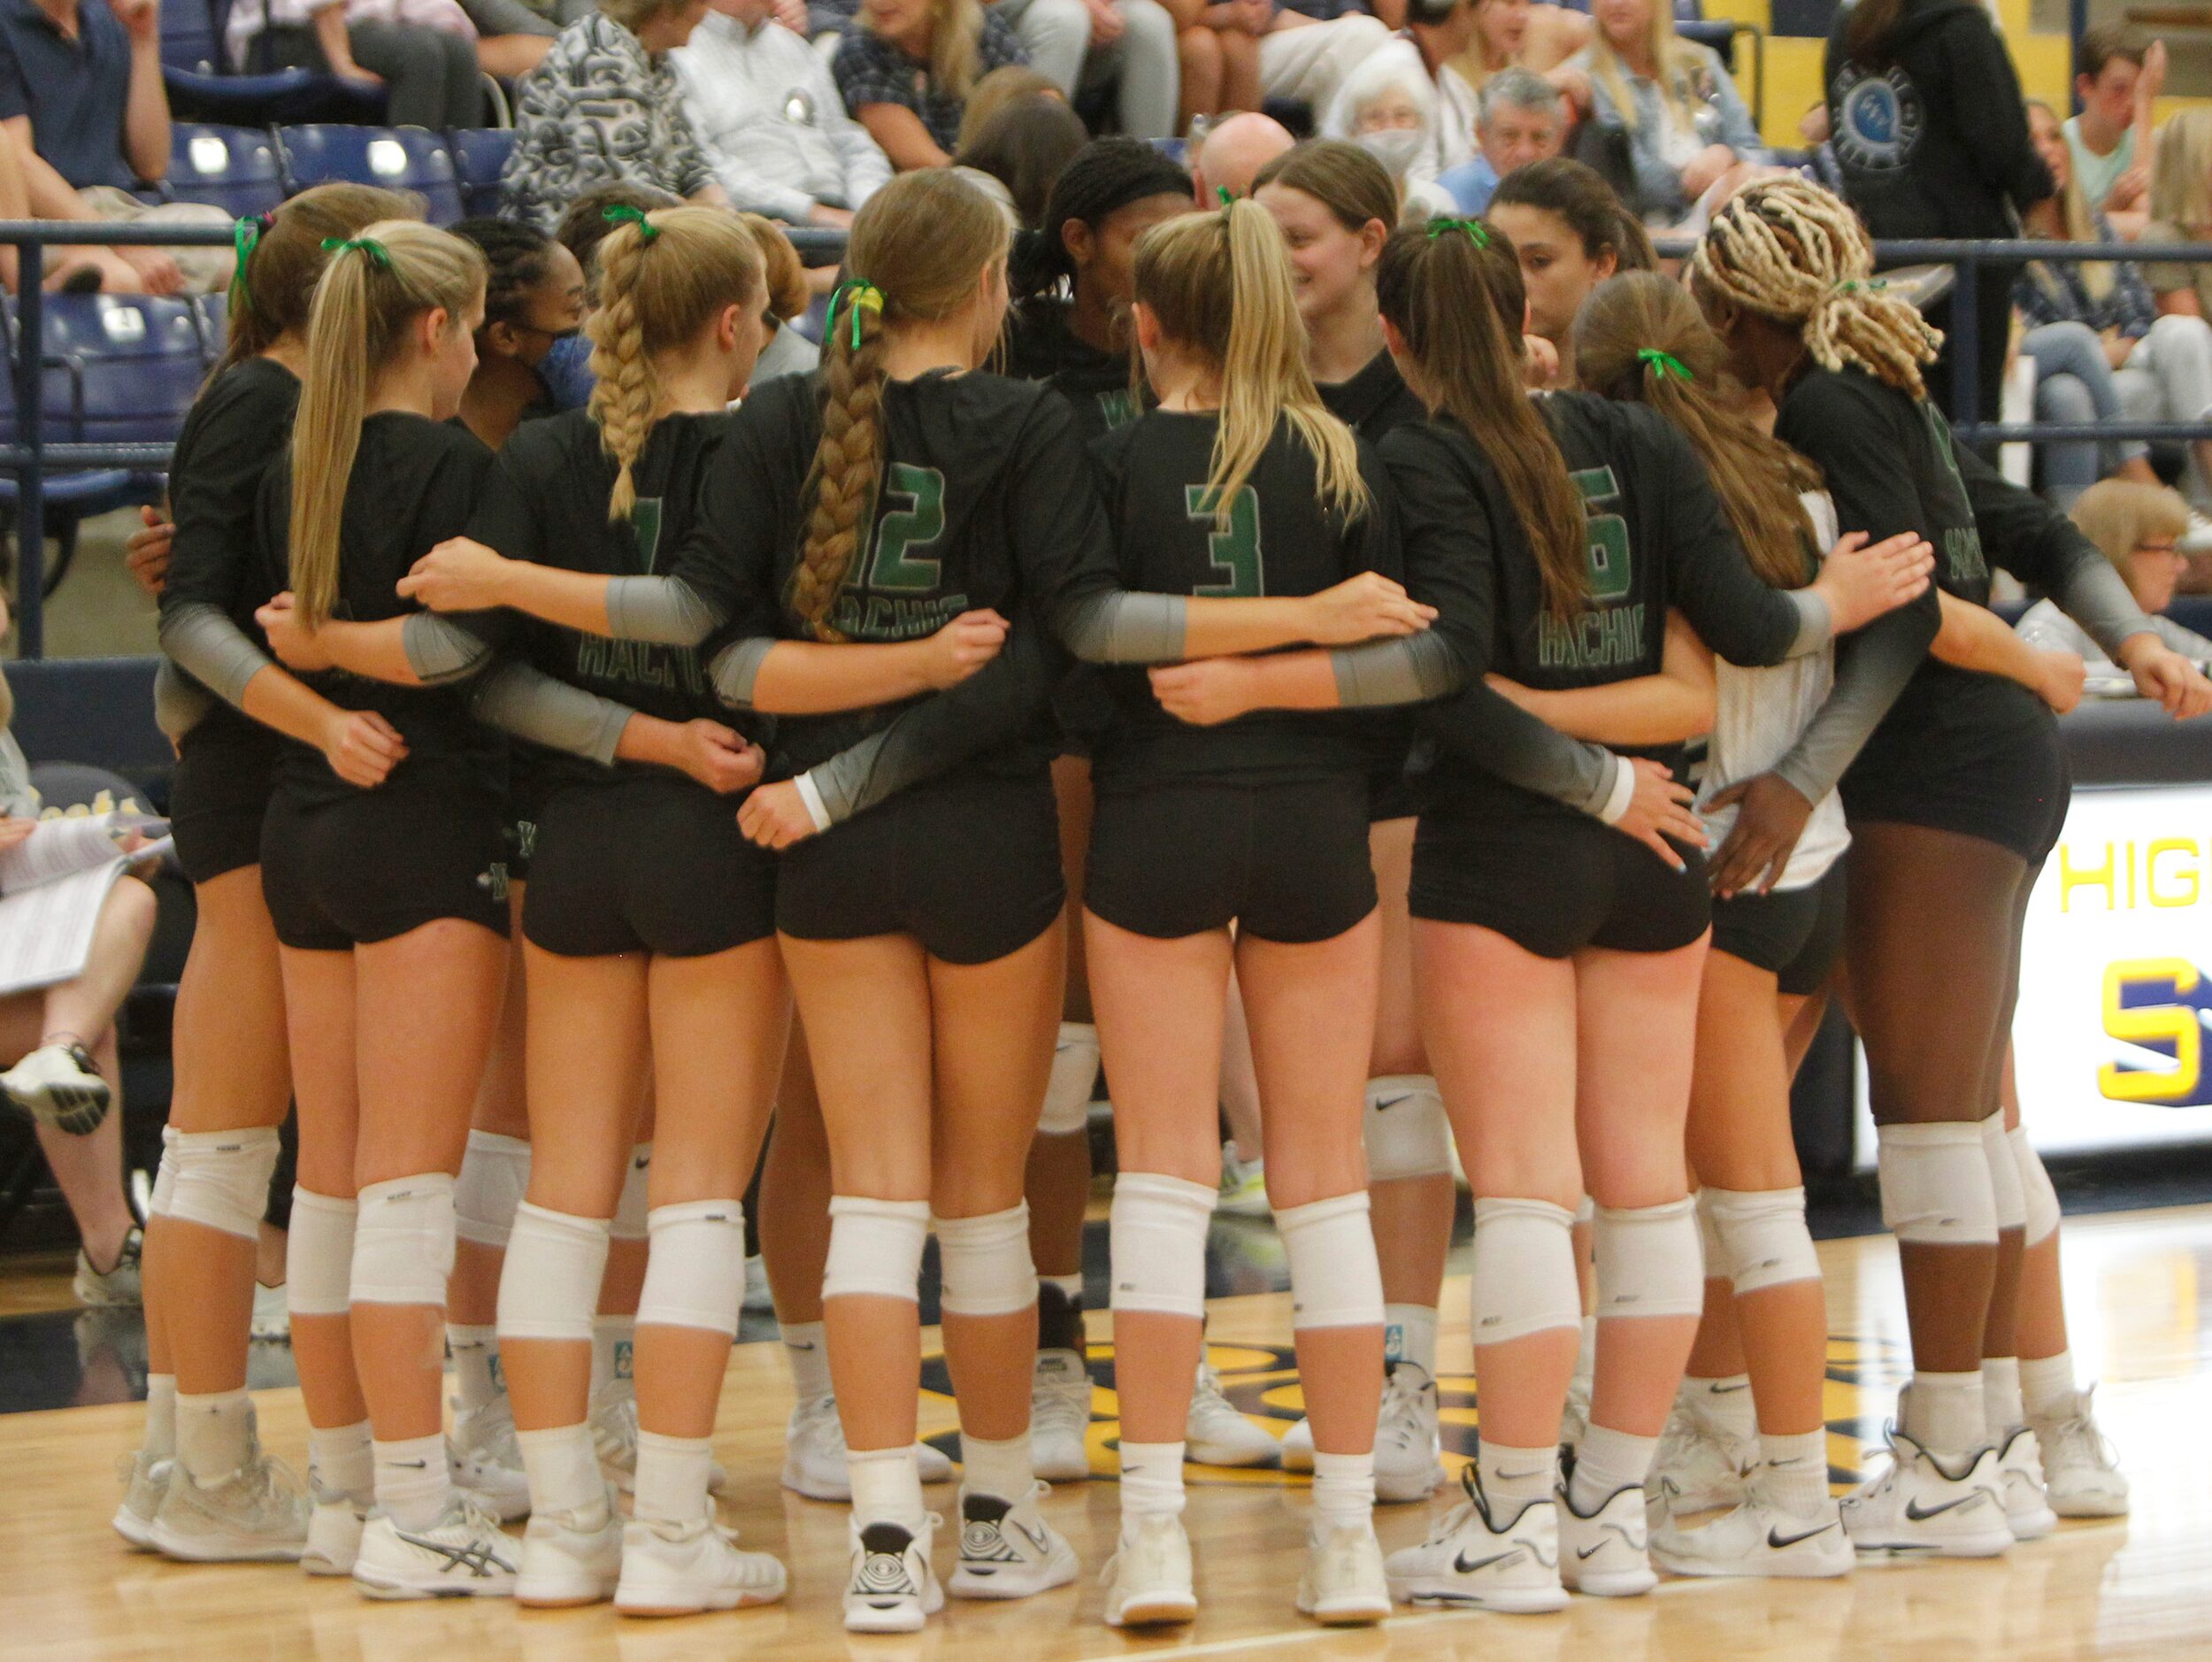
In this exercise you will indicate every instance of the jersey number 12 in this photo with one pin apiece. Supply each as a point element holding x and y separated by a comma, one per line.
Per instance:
<point>917,526</point>
<point>1235,546</point>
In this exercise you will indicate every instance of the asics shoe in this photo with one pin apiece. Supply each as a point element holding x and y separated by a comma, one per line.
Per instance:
<point>464,1555</point>
<point>488,1461</point>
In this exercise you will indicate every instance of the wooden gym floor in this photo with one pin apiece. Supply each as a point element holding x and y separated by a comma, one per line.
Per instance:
<point>2139,1292</point>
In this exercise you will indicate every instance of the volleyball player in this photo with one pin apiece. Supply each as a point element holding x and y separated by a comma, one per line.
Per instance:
<point>1571,232</point>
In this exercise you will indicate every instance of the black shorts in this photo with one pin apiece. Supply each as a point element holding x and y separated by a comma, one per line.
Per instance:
<point>1556,883</point>
<point>1286,862</point>
<point>968,865</point>
<point>372,866</point>
<point>529,782</point>
<point>219,794</point>
<point>1982,760</point>
<point>646,865</point>
<point>1395,780</point>
<point>1796,935</point>
<point>1082,711</point>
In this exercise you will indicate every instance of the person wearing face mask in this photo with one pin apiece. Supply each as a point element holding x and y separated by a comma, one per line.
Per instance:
<point>1519,117</point>
<point>533,299</point>
<point>1438,31</point>
<point>1389,107</point>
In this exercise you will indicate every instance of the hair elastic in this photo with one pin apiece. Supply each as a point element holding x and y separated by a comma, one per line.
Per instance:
<point>623,213</point>
<point>377,252</point>
<point>1665,364</point>
<point>855,295</point>
<point>1475,233</point>
<point>1227,196</point>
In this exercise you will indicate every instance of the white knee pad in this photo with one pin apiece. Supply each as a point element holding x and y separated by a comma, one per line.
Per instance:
<point>1647,1260</point>
<point>1709,1240</point>
<point>1404,1128</point>
<point>164,1174</point>
<point>318,1255</point>
<point>875,1247</point>
<point>1068,1096</point>
<point>549,1288</point>
<point>403,1240</point>
<point>985,1263</point>
<point>1524,1278</point>
<point>1758,1237</point>
<point>222,1179</point>
<point>696,1276</point>
<point>1335,1281</point>
<point>494,1176</point>
<point>2004,1174</point>
<point>1157,1237</point>
<point>633,1215</point>
<point>2039,1201</point>
<point>1585,1212</point>
<point>1936,1189</point>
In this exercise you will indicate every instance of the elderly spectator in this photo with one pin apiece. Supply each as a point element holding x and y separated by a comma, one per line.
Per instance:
<point>1440,31</point>
<point>2118,81</point>
<point>1387,107</point>
<point>2140,528</point>
<point>83,108</point>
<point>1689,132</point>
<point>1519,117</point>
<point>1024,145</point>
<point>606,108</point>
<point>770,120</point>
<point>906,72</point>
<point>1233,153</point>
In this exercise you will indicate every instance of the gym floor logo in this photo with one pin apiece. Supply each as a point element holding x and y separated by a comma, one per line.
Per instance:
<point>1879,120</point>
<point>2155,1007</point>
<point>1262,1381</point>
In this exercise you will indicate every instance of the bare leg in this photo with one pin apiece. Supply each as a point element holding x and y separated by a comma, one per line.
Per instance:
<point>89,1170</point>
<point>320,1004</point>
<point>795,1192</point>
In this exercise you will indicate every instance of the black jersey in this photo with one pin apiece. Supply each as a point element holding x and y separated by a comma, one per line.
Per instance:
<point>414,484</point>
<point>1657,538</point>
<point>1100,386</point>
<point>546,502</point>
<point>1374,401</point>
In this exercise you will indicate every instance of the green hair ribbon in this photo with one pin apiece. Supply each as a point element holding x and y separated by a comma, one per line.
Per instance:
<point>377,252</point>
<point>1665,363</point>
<point>1226,195</point>
<point>1475,232</point>
<point>1850,283</point>
<point>855,296</point>
<point>623,213</point>
<point>245,237</point>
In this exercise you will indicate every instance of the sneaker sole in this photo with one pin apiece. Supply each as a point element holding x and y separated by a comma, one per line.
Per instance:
<point>1763,1566</point>
<point>1156,1609</point>
<point>1057,1571</point>
<point>1613,1584</point>
<point>1991,1545</point>
<point>372,1588</point>
<point>2090,1506</point>
<point>322,1564</point>
<point>1347,1613</point>
<point>1235,1459</point>
<point>79,1118</point>
<point>555,1594</point>
<point>2033,1526</point>
<point>193,1549</point>
<point>907,1616</point>
<point>659,1606</point>
<point>1532,1601</point>
<point>137,1532</point>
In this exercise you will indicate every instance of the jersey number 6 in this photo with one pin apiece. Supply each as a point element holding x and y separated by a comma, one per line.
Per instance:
<point>1609,534</point>
<point>1235,546</point>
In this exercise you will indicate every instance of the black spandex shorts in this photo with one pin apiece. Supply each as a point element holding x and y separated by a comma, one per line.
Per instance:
<point>529,782</point>
<point>219,794</point>
<point>1556,883</point>
<point>372,866</point>
<point>1082,709</point>
<point>1795,933</point>
<point>646,865</point>
<point>968,865</point>
<point>1982,762</point>
<point>1286,862</point>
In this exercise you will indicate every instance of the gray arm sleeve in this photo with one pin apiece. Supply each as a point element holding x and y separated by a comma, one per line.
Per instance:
<point>664,610</point>
<point>736,667</point>
<point>1871,672</point>
<point>519,698</point>
<point>440,649</point>
<point>1407,670</point>
<point>213,650</point>
<point>180,702</point>
<point>1119,627</point>
<point>1816,625</point>
<point>2096,597</point>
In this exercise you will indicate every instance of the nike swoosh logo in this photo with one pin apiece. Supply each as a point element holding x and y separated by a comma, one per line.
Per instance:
<point>1591,1553</point>
<point>1517,1477</point>
<point>1036,1538</point>
<point>1778,1541</point>
<point>420,1466</point>
<point>1727,1390</point>
<point>639,1165</point>
<point>790,1344</point>
<point>1382,1103</point>
<point>1460,1563</point>
<point>1913,1510</point>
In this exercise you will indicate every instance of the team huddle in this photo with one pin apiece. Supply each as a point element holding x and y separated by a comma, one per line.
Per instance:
<point>1194,613</point>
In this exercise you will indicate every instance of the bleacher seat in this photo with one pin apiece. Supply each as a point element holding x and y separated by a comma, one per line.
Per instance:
<point>480,156</point>
<point>188,40</point>
<point>234,168</point>
<point>204,87</point>
<point>138,361</point>
<point>396,157</point>
<point>214,324</point>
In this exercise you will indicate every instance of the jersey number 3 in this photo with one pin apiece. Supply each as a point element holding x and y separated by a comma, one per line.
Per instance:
<point>917,525</point>
<point>1235,548</point>
<point>1609,534</point>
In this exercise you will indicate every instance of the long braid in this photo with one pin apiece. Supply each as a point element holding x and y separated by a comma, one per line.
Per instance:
<point>627,392</point>
<point>847,464</point>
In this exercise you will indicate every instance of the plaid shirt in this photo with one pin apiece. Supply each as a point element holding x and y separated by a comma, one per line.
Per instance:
<point>2053,292</point>
<point>870,69</point>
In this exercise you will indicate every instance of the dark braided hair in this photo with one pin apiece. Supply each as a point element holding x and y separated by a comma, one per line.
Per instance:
<point>1107,174</point>
<point>518,257</point>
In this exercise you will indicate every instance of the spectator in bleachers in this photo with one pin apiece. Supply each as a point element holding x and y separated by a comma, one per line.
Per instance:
<point>606,108</point>
<point>1519,117</point>
<point>1086,45</point>
<point>1440,31</point>
<point>2101,351</point>
<point>1233,153</point>
<point>533,299</point>
<point>2181,211</point>
<point>83,109</point>
<point>1310,48</point>
<point>784,350</point>
<point>1689,132</point>
<point>771,119</point>
<point>1539,37</point>
<point>1387,107</point>
<point>1011,83</point>
<point>1024,145</point>
<point>423,52</point>
<point>2140,529</point>
<point>2116,82</point>
<point>905,73</point>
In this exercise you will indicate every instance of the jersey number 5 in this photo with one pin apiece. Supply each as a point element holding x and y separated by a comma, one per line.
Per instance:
<point>917,525</point>
<point>1236,547</point>
<point>1609,534</point>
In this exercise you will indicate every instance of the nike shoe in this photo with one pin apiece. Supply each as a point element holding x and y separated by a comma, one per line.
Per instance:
<point>1920,1506</point>
<point>1243,1186</point>
<point>256,1515</point>
<point>814,1453</point>
<point>679,1569</point>
<point>569,1558</point>
<point>464,1555</point>
<point>2028,1512</point>
<point>1701,1463</point>
<point>1759,1537</point>
<point>145,1481</point>
<point>1060,1417</point>
<point>1471,1560</point>
<point>1296,1450</point>
<point>1008,1550</point>
<point>272,1315</point>
<point>58,1086</point>
<point>1148,1579</point>
<point>486,1460</point>
<point>1605,1554</point>
<point>117,1287</point>
<point>1344,1584</point>
<point>334,1531</point>
<point>1215,1434</point>
<point>2081,1470</point>
<point>1409,1446</point>
<point>891,1587</point>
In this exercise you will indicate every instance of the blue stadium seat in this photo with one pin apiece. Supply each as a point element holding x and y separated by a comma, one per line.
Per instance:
<point>234,168</point>
<point>202,85</point>
<point>188,39</point>
<point>214,324</point>
<point>480,156</point>
<point>396,157</point>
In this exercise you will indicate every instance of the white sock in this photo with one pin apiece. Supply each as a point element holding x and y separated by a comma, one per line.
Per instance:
<point>1943,1413</point>
<point>1001,1470</point>
<point>2047,1387</point>
<point>412,1480</point>
<point>214,1435</point>
<point>563,1466</point>
<point>1725,1403</point>
<point>1797,1469</point>
<point>1512,1478</point>
<point>612,1337</point>
<point>1587,1352</point>
<point>340,1462</point>
<point>2002,1403</point>
<point>672,1478</point>
<point>806,1347</point>
<point>887,1486</point>
<point>476,1380</point>
<point>1409,1336</point>
<point>1071,1285</point>
<point>1343,1490</point>
<point>161,1417</point>
<point>1151,1480</point>
<point>1606,1462</point>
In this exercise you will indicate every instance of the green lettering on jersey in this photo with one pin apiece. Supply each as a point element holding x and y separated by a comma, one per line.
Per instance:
<point>645,527</point>
<point>1963,557</point>
<point>1118,408</point>
<point>917,525</point>
<point>1592,640</point>
<point>1609,534</point>
<point>1236,547</point>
